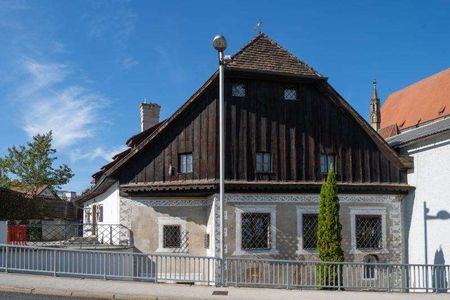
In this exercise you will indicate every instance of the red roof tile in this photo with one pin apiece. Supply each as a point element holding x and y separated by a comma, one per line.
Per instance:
<point>423,101</point>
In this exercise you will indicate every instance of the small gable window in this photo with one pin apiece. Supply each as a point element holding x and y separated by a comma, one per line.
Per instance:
<point>238,90</point>
<point>263,162</point>
<point>185,162</point>
<point>290,94</point>
<point>326,160</point>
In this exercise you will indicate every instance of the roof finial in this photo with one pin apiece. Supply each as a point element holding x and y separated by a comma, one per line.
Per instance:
<point>374,90</point>
<point>259,26</point>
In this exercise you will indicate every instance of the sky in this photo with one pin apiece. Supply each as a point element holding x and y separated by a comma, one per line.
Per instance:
<point>81,68</point>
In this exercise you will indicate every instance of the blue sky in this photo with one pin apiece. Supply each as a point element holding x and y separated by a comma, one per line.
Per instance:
<point>81,68</point>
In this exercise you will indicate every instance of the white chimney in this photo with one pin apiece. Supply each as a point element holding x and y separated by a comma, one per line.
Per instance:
<point>149,115</point>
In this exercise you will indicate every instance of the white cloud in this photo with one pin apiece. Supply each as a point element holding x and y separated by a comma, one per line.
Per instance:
<point>50,102</point>
<point>98,152</point>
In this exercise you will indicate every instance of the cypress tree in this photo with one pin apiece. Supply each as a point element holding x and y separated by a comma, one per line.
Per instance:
<point>329,233</point>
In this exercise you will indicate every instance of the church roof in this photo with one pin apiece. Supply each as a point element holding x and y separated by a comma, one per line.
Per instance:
<point>421,102</point>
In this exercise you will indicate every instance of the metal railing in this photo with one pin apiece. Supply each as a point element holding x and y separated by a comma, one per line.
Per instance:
<point>69,234</point>
<point>267,273</point>
<point>107,264</point>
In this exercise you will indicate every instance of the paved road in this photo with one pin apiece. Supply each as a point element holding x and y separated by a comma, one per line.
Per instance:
<point>18,296</point>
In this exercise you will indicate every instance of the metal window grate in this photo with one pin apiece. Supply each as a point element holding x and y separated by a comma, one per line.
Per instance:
<point>172,236</point>
<point>368,232</point>
<point>255,231</point>
<point>290,94</point>
<point>310,222</point>
<point>238,90</point>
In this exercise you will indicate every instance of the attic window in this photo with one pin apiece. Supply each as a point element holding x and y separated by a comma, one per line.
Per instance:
<point>185,163</point>
<point>290,94</point>
<point>238,90</point>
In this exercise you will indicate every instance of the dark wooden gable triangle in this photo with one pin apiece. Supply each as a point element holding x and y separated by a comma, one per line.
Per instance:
<point>264,54</point>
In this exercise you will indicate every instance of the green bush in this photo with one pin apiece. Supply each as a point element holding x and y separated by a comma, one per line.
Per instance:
<point>329,234</point>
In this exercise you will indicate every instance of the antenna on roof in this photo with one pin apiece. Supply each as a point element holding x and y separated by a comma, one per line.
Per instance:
<point>259,26</point>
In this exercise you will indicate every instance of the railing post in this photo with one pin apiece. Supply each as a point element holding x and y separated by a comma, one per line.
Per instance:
<point>110,235</point>
<point>104,266</point>
<point>54,263</point>
<point>222,267</point>
<point>7,259</point>
<point>288,285</point>
<point>339,276</point>
<point>389,277</point>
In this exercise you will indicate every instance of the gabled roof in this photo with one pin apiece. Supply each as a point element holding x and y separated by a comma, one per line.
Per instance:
<point>389,131</point>
<point>421,102</point>
<point>262,54</point>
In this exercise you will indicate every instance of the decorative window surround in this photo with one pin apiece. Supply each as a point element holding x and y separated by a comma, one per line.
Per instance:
<point>171,221</point>
<point>301,210</point>
<point>354,211</point>
<point>273,221</point>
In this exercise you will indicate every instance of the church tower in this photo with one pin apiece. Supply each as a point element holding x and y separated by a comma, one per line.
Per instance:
<point>375,116</point>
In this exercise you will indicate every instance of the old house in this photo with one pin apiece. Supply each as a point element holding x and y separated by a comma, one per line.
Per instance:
<point>416,121</point>
<point>285,125</point>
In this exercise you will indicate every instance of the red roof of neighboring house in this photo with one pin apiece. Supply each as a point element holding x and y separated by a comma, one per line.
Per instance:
<point>423,101</point>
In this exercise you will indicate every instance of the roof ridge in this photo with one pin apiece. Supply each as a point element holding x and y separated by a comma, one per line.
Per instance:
<point>251,42</point>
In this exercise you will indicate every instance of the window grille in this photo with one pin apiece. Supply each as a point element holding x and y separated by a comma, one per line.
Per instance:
<point>370,267</point>
<point>368,232</point>
<point>290,94</point>
<point>256,231</point>
<point>238,90</point>
<point>172,236</point>
<point>326,161</point>
<point>185,163</point>
<point>310,223</point>
<point>263,162</point>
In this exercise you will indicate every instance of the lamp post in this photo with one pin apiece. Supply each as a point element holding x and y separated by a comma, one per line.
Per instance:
<point>220,44</point>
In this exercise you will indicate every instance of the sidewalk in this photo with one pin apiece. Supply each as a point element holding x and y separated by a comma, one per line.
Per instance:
<point>109,289</point>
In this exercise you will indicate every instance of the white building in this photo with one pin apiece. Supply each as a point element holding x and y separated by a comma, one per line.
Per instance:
<point>416,122</point>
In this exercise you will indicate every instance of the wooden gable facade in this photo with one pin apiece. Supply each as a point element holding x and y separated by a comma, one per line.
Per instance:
<point>295,133</point>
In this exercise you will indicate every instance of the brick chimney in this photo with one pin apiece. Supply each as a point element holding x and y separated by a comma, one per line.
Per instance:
<point>149,115</point>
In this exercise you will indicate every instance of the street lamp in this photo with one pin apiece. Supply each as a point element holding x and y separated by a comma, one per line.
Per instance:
<point>220,44</point>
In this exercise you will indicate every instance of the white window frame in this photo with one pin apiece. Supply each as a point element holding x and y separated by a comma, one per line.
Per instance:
<point>302,210</point>
<point>162,221</point>
<point>368,211</point>
<point>87,217</point>
<point>100,212</point>
<point>241,209</point>
<point>183,160</point>
<point>265,162</point>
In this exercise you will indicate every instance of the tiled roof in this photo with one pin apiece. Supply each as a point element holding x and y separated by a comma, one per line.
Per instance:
<point>421,102</point>
<point>263,54</point>
<point>420,132</point>
<point>389,131</point>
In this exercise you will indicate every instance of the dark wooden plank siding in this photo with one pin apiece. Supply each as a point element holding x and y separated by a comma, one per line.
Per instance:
<point>294,132</point>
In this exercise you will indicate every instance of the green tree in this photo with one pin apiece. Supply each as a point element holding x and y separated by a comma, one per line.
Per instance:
<point>31,166</point>
<point>329,233</point>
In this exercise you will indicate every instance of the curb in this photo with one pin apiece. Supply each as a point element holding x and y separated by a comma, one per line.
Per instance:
<point>78,294</point>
